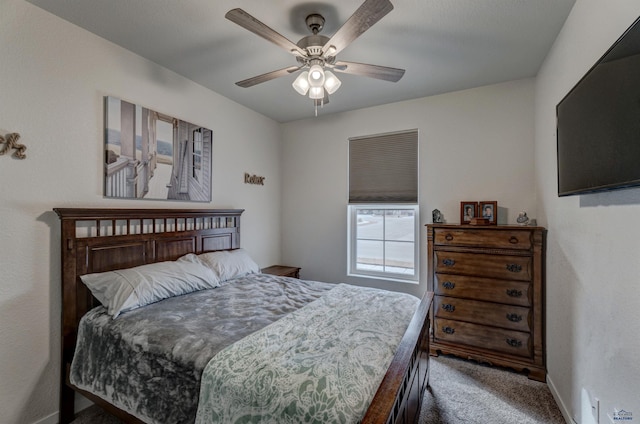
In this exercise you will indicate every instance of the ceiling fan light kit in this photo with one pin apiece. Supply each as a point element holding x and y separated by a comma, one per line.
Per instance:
<point>316,93</point>
<point>301,84</point>
<point>316,76</point>
<point>316,54</point>
<point>331,82</point>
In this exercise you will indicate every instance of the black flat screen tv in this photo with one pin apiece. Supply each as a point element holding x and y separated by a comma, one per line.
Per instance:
<point>598,123</point>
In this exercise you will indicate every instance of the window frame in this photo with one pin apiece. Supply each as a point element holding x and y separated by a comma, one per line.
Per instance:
<point>352,251</point>
<point>197,154</point>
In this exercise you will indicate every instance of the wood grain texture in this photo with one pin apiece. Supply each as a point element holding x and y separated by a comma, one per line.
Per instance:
<point>98,240</point>
<point>252,24</point>
<point>489,285</point>
<point>369,12</point>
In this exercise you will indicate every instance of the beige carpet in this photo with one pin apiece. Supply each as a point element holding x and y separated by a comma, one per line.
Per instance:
<point>461,392</point>
<point>464,392</point>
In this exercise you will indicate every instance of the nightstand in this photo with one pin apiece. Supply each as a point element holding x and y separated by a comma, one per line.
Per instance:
<point>282,271</point>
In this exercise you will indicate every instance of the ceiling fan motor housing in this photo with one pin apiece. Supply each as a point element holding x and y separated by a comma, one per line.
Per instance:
<point>313,44</point>
<point>315,23</point>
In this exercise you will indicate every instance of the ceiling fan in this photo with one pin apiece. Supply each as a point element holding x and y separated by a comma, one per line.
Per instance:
<point>316,53</point>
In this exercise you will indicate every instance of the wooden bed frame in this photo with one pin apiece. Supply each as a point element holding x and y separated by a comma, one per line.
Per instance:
<point>98,240</point>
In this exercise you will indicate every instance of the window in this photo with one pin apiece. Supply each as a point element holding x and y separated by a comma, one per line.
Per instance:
<point>383,211</point>
<point>383,241</point>
<point>197,154</point>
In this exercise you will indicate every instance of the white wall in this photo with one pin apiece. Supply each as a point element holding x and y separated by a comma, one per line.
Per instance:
<point>593,262</point>
<point>53,76</point>
<point>474,145</point>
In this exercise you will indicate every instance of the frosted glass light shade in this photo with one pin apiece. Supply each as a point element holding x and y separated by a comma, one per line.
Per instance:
<point>301,84</point>
<point>316,76</point>
<point>316,93</point>
<point>331,82</point>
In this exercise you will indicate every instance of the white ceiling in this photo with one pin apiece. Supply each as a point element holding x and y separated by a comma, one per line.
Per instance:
<point>444,45</point>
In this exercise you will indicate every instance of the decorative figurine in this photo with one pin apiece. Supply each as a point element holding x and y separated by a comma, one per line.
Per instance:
<point>437,217</point>
<point>522,218</point>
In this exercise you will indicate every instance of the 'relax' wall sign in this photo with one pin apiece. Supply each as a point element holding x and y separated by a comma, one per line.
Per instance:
<point>253,179</point>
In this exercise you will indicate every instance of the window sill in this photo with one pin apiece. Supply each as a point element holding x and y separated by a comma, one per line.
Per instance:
<point>384,278</point>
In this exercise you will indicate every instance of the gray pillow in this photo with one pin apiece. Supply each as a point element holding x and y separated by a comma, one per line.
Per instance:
<point>126,289</point>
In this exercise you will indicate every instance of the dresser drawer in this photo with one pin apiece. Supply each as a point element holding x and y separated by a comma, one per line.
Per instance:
<point>506,267</point>
<point>500,291</point>
<point>499,239</point>
<point>482,336</point>
<point>487,313</point>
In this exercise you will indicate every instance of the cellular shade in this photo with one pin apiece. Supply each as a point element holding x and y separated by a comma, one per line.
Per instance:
<point>384,168</point>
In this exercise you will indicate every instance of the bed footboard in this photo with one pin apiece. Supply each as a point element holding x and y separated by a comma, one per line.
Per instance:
<point>399,397</point>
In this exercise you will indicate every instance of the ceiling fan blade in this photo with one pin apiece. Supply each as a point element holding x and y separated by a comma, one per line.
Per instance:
<point>250,82</point>
<point>372,71</point>
<point>250,23</point>
<point>370,12</point>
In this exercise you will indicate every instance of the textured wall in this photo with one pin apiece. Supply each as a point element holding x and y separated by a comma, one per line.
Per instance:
<point>593,269</point>
<point>474,145</point>
<point>53,76</point>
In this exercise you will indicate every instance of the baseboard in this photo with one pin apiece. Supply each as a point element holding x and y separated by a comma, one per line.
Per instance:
<point>81,404</point>
<point>51,419</point>
<point>563,407</point>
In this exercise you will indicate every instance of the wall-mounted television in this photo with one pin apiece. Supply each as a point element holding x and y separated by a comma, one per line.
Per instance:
<point>598,123</point>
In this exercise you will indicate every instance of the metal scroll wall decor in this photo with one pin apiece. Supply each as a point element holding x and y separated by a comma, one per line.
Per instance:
<point>11,142</point>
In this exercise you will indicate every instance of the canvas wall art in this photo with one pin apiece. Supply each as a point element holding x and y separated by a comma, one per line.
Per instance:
<point>150,155</point>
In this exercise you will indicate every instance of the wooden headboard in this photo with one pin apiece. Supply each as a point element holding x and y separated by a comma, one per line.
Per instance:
<point>99,240</point>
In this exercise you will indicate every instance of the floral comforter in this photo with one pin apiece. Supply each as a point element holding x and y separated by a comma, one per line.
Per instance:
<point>320,364</point>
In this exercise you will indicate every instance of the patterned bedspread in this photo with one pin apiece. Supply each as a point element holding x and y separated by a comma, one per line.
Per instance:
<point>320,364</point>
<point>328,345</point>
<point>149,361</point>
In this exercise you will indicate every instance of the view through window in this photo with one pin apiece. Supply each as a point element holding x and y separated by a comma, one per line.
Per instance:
<point>383,241</point>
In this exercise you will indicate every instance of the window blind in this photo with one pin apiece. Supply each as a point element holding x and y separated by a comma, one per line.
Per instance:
<point>384,168</point>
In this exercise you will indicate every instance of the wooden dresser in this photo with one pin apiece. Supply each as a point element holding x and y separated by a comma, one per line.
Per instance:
<point>488,283</point>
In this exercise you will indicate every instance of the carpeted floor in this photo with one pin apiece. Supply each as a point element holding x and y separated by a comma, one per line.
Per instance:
<point>465,392</point>
<point>461,392</point>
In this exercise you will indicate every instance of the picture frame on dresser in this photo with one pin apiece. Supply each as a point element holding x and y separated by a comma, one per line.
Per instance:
<point>468,211</point>
<point>489,211</point>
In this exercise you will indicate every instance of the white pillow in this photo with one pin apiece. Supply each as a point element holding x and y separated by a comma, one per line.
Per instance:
<point>125,289</point>
<point>227,264</point>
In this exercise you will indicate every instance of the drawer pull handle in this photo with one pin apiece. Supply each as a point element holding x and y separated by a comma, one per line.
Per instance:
<point>514,343</point>
<point>514,293</point>
<point>514,267</point>
<point>448,262</point>
<point>513,240</point>
<point>448,237</point>
<point>448,330</point>
<point>514,317</point>
<point>448,285</point>
<point>448,307</point>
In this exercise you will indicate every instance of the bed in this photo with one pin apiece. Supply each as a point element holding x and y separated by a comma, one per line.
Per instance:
<point>96,241</point>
